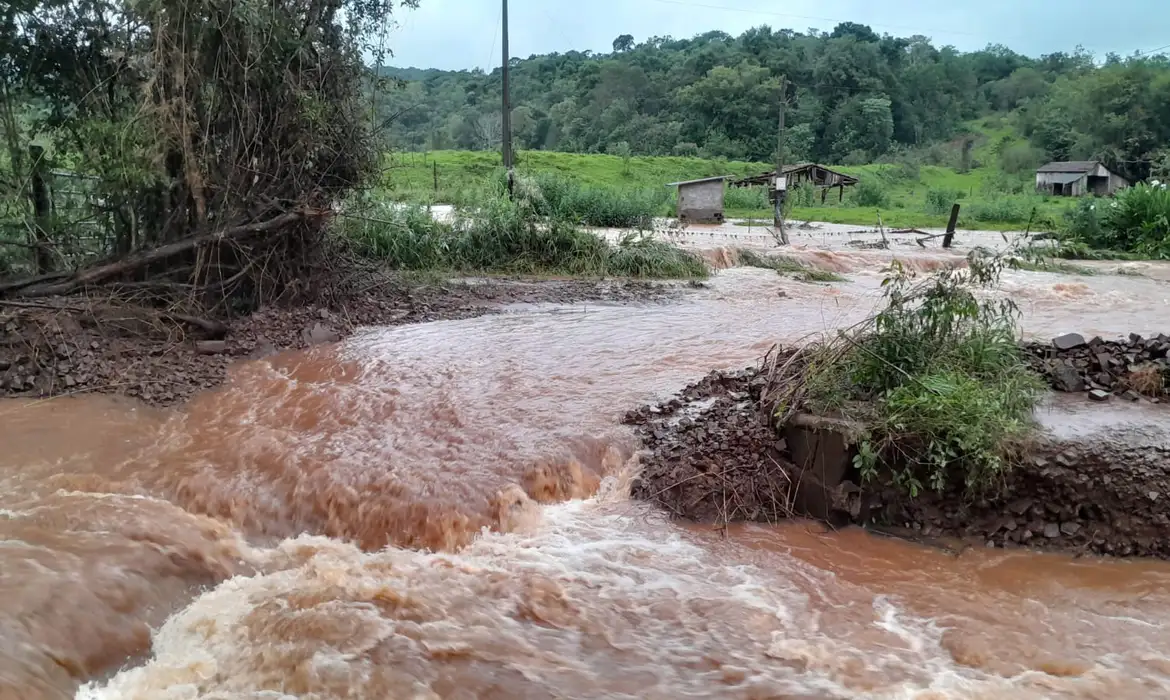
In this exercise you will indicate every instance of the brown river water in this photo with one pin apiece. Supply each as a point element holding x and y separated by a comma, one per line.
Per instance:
<point>440,511</point>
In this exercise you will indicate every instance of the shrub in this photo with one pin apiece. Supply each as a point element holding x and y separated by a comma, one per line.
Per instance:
<point>686,149</point>
<point>1020,157</point>
<point>940,200</point>
<point>1136,221</point>
<point>747,198</point>
<point>936,375</point>
<point>869,192</point>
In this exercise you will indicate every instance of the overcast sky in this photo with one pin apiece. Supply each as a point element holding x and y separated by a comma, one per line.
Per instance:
<point>454,34</point>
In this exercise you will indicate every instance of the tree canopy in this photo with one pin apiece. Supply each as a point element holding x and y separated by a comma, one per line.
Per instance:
<point>854,96</point>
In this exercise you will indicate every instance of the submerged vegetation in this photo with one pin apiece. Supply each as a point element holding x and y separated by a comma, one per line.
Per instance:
<point>936,376</point>
<point>786,265</point>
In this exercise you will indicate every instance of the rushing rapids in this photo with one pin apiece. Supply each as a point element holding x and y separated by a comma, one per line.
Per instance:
<point>441,511</point>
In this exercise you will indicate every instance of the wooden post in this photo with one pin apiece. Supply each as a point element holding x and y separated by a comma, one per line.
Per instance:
<point>42,209</point>
<point>506,121</point>
<point>950,235</point>
<point>436,164</point>
<point>777,192</point>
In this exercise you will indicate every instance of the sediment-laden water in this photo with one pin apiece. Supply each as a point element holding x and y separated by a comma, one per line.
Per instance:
<point>440,511</point>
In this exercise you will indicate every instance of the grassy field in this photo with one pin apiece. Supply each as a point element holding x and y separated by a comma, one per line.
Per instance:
<point>903,197</point>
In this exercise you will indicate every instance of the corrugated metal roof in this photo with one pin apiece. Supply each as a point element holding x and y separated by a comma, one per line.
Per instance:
<point>1072,166</point>
<point>696,182</point>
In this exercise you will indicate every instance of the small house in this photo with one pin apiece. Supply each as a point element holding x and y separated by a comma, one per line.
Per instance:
<point>700,201</point>
<point>1078,178</point>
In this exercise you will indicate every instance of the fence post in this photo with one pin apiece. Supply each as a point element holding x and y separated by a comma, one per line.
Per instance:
<point>436,164</point>
<point>950,235</point>
<point>42,209</point>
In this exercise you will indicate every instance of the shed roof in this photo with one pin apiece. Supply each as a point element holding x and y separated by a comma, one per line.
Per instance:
<point>792,170</point>
<point>1066,178</point>
<point>1072,166</point>
<point>697,182</point>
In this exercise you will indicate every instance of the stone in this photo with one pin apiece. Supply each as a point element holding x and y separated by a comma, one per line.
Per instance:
<point>1070,528</point>
<point>1153,495</point>
<point>1051,531</point>
<point>1066,378</point>
<point>1099,395</point>
<point>1069,341</point>
<point>1131,395</point>
<point>1021,506</point>
<point>319,334</point>
<point>70,382</point>
<point>211,347</point>
<point>1104,361</point>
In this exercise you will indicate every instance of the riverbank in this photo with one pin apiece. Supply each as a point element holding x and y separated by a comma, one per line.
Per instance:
<point>67,346</point>
<point>1094,480</point>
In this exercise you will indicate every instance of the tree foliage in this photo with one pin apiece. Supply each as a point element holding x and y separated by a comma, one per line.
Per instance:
<point>188,118</point>
<point>854,95</point>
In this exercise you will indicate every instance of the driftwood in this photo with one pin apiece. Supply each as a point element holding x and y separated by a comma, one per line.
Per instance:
<point>81,278</point>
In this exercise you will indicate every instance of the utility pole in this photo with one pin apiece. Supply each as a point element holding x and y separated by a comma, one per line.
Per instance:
<point>780,184</point>
<point>507,115</point>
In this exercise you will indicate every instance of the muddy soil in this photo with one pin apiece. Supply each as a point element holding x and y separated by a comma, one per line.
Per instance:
<point>66,346</point>
<point>710,457</point>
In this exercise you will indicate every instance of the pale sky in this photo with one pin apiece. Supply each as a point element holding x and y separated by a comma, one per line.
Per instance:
<point>455,34</point>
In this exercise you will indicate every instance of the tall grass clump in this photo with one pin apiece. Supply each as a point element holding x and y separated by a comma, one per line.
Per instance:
<point>505,235</point>
<point>1136,220</point>
<point>937,377</point>
<point>563,198</point>
<point>1010,210</point>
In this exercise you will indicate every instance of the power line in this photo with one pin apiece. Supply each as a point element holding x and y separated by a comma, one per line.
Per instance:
<point>1153,51</point>
<point>768,13</point>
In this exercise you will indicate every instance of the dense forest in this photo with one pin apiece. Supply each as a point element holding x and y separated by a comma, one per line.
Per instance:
<point>854,97</point>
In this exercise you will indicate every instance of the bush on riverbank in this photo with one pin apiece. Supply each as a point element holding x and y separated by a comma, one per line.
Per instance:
<point>562,198</point>
<point>505,236</point>
<point>937,376</point>
<point>1136,221</point>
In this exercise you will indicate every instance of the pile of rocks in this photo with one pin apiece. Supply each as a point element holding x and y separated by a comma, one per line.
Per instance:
<point>1133,368</point>
<point>710,456</point>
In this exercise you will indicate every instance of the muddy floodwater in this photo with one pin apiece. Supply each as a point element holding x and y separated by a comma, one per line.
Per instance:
<point>440,511</point>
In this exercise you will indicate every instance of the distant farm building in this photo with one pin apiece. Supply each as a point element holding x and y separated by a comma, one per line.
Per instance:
<point>700,201</point>
<point>812,174</point>
<point>1078,178</point>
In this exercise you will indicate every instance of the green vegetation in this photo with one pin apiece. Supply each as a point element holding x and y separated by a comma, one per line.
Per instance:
<point>786,265</point>
<point>1136,221</point>
<point>856,97</point>
<point>937,377</point>
<point>906,194</point>
<point>507,236</point>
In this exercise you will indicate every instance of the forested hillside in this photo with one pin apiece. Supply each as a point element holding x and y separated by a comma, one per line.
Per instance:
<point>855,97</point>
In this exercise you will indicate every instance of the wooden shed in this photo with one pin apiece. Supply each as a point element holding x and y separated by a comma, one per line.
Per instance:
<point>813,174</point>
<point>1078,178</point>
<point>700,201</point>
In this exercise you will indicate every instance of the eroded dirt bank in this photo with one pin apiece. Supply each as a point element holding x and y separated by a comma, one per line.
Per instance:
<point>1097,479</point>
<point>66,346</point>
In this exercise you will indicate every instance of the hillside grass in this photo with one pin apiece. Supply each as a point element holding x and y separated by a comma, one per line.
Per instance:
<point>903,196</point>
